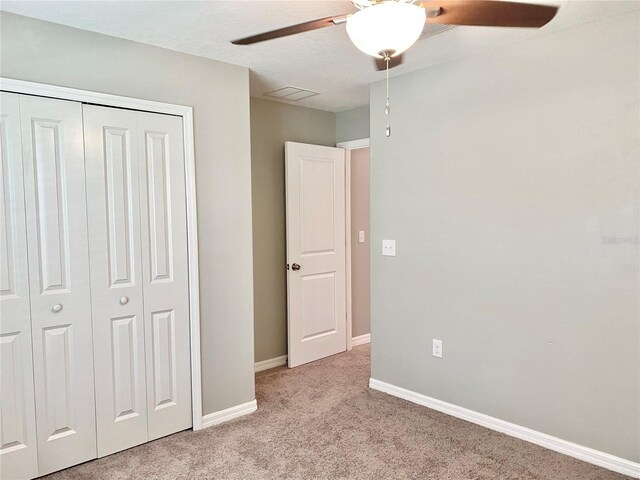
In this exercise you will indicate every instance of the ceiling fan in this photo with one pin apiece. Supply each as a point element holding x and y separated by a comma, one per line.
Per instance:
<point>385,29</point>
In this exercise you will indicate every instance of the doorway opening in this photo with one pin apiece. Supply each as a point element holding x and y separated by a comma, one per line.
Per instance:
<point>358,246</point>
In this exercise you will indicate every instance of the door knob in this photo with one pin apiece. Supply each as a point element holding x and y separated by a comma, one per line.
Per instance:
<point>295,267</point>
<point>56,308</point>
<point>124,300</point>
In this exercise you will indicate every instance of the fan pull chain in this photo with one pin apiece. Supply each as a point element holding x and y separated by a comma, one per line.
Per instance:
<point>387,108</point>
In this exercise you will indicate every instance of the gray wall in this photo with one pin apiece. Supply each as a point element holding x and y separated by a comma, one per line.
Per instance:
<point>352,124</point>
<point>272,124</point>
<point>360,256</point>
<point>515,211</point>
<point>48,53</point>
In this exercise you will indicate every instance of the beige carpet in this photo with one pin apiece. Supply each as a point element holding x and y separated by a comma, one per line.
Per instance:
<point>321,421</point>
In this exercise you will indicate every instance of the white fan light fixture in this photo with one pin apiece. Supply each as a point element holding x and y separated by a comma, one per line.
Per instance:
<point>386,28</point>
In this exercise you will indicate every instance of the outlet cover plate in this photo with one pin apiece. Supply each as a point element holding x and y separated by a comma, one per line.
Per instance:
<point>437,348</point>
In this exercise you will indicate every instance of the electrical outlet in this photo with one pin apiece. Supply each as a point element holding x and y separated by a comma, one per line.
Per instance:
<point>389,248</point>
<point>437,348</point>
<point>361,236</point>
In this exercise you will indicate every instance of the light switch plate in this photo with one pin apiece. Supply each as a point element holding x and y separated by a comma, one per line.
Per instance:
<point>361,236</point>
<point>389,248</point>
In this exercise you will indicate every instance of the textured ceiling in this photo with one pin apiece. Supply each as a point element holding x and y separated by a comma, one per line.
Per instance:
<point>324,61</point>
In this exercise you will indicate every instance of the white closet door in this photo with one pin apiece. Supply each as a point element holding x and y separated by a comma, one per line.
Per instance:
<point>113,203</point>
<point>166,298</point>
<point>59,276</point>
<point>18,449</point>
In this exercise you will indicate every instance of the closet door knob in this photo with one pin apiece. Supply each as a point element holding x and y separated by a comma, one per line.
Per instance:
<point>56,308</point>
<point>124,300</point>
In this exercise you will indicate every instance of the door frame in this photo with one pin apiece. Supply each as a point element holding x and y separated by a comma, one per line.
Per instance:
<point>348,146</point>
<point>10,85</point>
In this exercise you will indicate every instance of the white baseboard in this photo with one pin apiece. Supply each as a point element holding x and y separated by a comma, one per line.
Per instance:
<point>602,459</point>
<point>227,414</point>
<point>271,363</point>
<point>361,340</point>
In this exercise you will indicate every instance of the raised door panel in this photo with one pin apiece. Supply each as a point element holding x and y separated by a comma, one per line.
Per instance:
<point>54,181</point>
<point>164,359</point>
<point>112,158</point>
<point>317,196</point>
<point>318,305</point>
<point>316,292</point>
<point>56,347</point>
<point>18,449</point>
<point>165,276</point>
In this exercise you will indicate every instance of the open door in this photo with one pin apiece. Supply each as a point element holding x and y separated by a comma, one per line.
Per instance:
<point>316,289</point>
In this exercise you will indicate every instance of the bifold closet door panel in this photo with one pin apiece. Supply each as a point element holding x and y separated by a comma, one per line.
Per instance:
<point>113,203</point>
<point>18,449</point>
<point>165,273</point>
<point>56,218</point>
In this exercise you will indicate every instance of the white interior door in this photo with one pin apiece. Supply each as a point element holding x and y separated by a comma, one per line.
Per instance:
<point>54,181</point>
<point>18,449</point>
<point>111,156</point>
<point>165,273</point>
<point>137,211</point>
<point>315,251</point>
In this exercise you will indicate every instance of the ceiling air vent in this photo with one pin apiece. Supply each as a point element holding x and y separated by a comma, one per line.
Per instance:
<point>431,29</point>
<point>293,94</point>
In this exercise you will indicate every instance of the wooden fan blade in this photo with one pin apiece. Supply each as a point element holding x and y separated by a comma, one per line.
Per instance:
<point>382,65</point>
<point>292,30</point>
<point>489,13</point>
